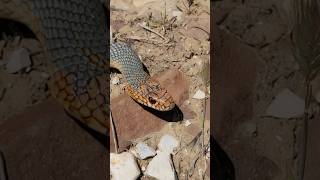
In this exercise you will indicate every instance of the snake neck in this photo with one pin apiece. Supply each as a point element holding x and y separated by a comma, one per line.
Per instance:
<point>123,58</point>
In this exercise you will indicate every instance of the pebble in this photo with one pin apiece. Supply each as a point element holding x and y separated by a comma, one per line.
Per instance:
<point>115,80</point>
<point>168,143</point>
<point>17,60</point>
<point>199,95</point>
<point>143,151</point>
<point>286,105</point>
<point>187,123</point>
<point>123,166</point>
<point>161,167</point>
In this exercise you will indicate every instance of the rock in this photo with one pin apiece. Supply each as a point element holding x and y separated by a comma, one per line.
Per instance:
<point>17,60</point>
<point>187,123</point>
<point>161,167</point>
<point>115,80</point>
<point>199,95</point>
<point>286,105</point>
<point>144,151</point>
<point>168,143</point>
<point>123,166</point>
<point>32,45</point>
<point>133,120</point>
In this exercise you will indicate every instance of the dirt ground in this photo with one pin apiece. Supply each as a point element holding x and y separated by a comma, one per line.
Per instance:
<point>171,35</point>
<point>180,40</point>
<point>255,47</point>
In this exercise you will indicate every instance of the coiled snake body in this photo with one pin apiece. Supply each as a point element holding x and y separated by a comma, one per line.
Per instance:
<point>74,36</point>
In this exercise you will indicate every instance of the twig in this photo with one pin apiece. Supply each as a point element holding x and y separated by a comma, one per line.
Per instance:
<point>153,31</point>
<point>149,41</point>
<point>115,139</point>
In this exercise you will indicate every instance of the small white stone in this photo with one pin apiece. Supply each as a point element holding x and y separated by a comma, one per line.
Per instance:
<point>199,95</point>
<point>17,60</point>
<point>161,167</point>
<point>143,168</point>
<point>286,105</point>
<point>144,151</point>
<point>168,143</point>
<point>187,123</point>
<point>28,69</point>
<point>115,80</point>
<point>123,166</point>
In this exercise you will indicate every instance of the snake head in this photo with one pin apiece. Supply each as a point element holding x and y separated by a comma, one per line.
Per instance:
<point>151,94</point>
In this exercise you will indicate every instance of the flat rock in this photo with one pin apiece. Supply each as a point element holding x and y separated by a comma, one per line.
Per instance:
<point>168,143</point>
<point>286,105</point>
<point>133,120</point>
<point>123,166</point>
<point>161,167</point>
<point>199,95</point>
<point>17,60</point>
<point>144,151</point>
<point>45,143</point>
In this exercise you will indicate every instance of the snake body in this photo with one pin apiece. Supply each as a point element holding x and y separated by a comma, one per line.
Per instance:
<point>141,87</point>
<point>74,36</point>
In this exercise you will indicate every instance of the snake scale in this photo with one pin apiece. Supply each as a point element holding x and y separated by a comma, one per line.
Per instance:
<point>74,36</point>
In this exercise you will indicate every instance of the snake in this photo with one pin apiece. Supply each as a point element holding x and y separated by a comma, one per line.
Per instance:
<point>74,36</point>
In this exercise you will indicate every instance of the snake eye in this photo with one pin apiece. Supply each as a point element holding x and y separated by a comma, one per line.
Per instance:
<point>152,101</point>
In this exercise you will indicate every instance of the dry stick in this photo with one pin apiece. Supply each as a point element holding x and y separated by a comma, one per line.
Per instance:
<point>153,31</point>
<point>115,139</point>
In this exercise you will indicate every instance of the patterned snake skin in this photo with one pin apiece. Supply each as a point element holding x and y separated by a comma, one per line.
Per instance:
<point>141,87</point>
<point>74,34</point>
